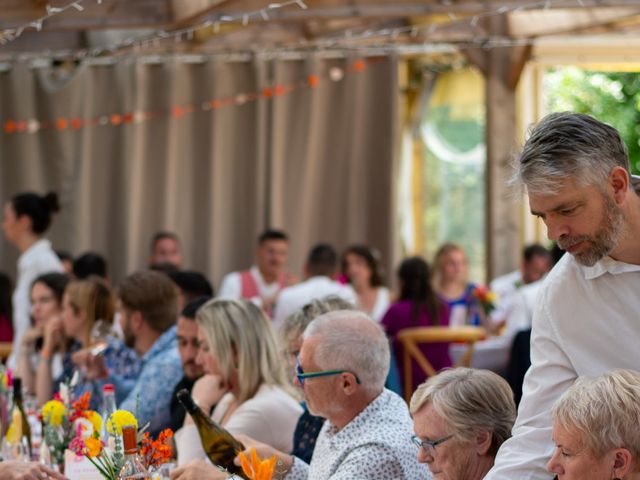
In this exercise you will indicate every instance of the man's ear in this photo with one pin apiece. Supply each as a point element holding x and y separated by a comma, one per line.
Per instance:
<point>622,462</point>
<point>619,182</point>
<point>136,321</point>
<point>349,383</point>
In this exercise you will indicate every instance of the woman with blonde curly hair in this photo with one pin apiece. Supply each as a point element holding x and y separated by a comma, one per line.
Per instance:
<point>595,429</point>
<point>245,378</point>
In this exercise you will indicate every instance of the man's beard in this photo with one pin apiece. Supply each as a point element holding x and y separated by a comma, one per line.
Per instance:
<point>603,241</point>
<point>129,338</point>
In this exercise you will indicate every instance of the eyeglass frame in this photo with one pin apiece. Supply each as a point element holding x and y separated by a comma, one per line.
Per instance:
<point>302,376</point>
<point>429,445</point>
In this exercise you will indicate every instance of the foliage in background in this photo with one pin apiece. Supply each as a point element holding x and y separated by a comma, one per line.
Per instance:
<point>612,97</point>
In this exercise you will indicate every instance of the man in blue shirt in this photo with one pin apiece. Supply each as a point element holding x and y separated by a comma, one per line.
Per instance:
<point>148,308</point>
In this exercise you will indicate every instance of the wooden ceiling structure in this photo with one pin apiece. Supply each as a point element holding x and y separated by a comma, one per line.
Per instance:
<point>497,36</point>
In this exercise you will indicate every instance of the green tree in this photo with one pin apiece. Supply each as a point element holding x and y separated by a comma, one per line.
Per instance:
<point>612,97</point>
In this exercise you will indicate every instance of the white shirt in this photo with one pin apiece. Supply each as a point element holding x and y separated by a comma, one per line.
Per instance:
<point>231,286</point>
<point>295,297</point>
<point>270,417</point>
<point>505,287</point>
<point>375,445</point>
<point>39,258</point>
<point>586,322</point>
<point>380,307</point>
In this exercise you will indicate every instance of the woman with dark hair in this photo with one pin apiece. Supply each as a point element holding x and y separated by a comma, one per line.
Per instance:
<point>417,306</point>
<point>361,267</point>
<point>6,311</point>
<point>46,307</point>
<point>27,217</point>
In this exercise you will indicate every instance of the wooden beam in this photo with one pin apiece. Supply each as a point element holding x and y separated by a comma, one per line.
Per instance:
<point>521,56</point>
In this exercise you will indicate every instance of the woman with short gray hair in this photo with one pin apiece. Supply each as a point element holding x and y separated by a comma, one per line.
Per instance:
<point>461,417</point>
<point>596,429</point>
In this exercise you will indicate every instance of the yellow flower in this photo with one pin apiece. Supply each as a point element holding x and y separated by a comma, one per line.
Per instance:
<point>93,447</point>
<point>95,419</point>
<point>14,433</point>
<point>52,412</point>
<point>5,381</point>
<point>119,419</point>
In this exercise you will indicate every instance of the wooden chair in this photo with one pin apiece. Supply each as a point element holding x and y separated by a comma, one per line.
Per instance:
<point>411,338</point>
<point>5,350</point>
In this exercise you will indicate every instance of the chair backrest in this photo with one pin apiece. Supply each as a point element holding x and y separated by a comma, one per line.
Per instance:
<point>5,350</point>
<point>411,338</point>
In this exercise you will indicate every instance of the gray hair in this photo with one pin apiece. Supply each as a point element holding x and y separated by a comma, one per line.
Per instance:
<point>296,323</point>
<point>605,410</point>
<point>569,146</point>
<point>470,401</point>
<point>348,339</point>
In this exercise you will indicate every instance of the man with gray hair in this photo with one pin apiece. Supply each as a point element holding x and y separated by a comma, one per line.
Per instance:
<point>342,368</point>
<point>575,170</point>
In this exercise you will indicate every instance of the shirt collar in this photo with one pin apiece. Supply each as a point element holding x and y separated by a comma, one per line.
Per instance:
<point>359,420</point>
<point>607,265</point>
<point>38,245</point>
<point>165,342</point>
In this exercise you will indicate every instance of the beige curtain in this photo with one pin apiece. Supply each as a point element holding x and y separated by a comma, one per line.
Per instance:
<point>317,162</point>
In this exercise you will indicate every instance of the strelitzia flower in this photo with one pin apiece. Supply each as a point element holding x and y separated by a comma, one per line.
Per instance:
<point>256,469</point>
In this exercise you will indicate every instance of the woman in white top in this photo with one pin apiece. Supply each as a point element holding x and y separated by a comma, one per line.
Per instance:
<point>240,356</point>
<point>361,267</point>
<point>27,216</point>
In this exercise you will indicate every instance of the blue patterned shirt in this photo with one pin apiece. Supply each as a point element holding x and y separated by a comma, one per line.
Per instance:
<point>150,397</point>
<point>120,361</point>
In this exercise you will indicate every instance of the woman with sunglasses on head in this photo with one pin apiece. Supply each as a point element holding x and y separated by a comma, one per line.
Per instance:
<point>245,378</point>
<point>27,217</point>
<point>461,417</point>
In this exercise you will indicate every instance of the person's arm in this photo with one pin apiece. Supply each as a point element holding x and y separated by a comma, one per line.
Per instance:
<point>524,456</point>
<point>17,470</point>
<point>52,344</point>
<point>24,368</point>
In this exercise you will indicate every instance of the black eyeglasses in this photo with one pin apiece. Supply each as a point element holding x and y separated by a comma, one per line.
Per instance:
<point>301,376</point>
<point>429,445</point>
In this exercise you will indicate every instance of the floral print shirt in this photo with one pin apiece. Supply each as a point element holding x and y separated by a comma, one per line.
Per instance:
<point>375,445</point>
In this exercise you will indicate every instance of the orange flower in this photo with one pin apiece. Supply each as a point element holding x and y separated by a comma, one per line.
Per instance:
<point>82,403</point>
<point>156,452</point>
<point>257,469</point>
<point>93,447</point>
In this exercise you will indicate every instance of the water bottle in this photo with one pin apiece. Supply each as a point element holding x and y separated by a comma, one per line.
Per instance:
<point>108,408</point>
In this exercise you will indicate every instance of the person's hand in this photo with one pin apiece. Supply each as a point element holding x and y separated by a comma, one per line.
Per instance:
<point>91,366</point>
<point>33,334</point>
<point>16,470</point>
<point>53,334</point>
<point>198,469</point>
<point>207,391</point>
<point>284,461</point>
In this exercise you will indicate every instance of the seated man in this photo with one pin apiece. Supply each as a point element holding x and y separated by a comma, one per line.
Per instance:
<point>187,333</point>
<point>148,310</point>
<point>321,267</point>
<point>341,368</point>
<point>263,281</point>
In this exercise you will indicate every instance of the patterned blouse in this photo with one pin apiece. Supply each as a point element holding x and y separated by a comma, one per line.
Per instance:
<point>375,445</point>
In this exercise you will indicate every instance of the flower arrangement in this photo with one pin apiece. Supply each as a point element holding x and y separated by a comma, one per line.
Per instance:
<point>485,298</point>
<point>63,418</point>
<point>256,469</point>
<point>109,460</point>
<point>156,452</point>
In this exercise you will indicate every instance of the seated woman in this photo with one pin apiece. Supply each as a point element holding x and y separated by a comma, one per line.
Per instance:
<point>361,267</point>
<point>417,306</point>
<point>461,417</point>
<point>46,306</point>
<point>85,302</point>
<point>237,344</point>
<point>595,429</point>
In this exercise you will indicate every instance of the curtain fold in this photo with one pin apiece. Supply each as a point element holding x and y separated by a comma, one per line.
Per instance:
<point>317,162</point>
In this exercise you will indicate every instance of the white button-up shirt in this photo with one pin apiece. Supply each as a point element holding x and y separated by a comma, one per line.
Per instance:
<point>375,445</point>
<point>39,258</point>
<point>294,298</point>
<point>586,322</point>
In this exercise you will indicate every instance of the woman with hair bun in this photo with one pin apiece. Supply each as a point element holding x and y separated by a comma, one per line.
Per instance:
<point>27,217</point>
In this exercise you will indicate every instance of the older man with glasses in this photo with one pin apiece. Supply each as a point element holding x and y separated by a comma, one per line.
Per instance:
<point>342,368</point>
<point>461,417</point>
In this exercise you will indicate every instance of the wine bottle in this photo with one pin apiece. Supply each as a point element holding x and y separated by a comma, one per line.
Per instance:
<point>218,444</point>
<point>19,415</point>
<point>133,469</point>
